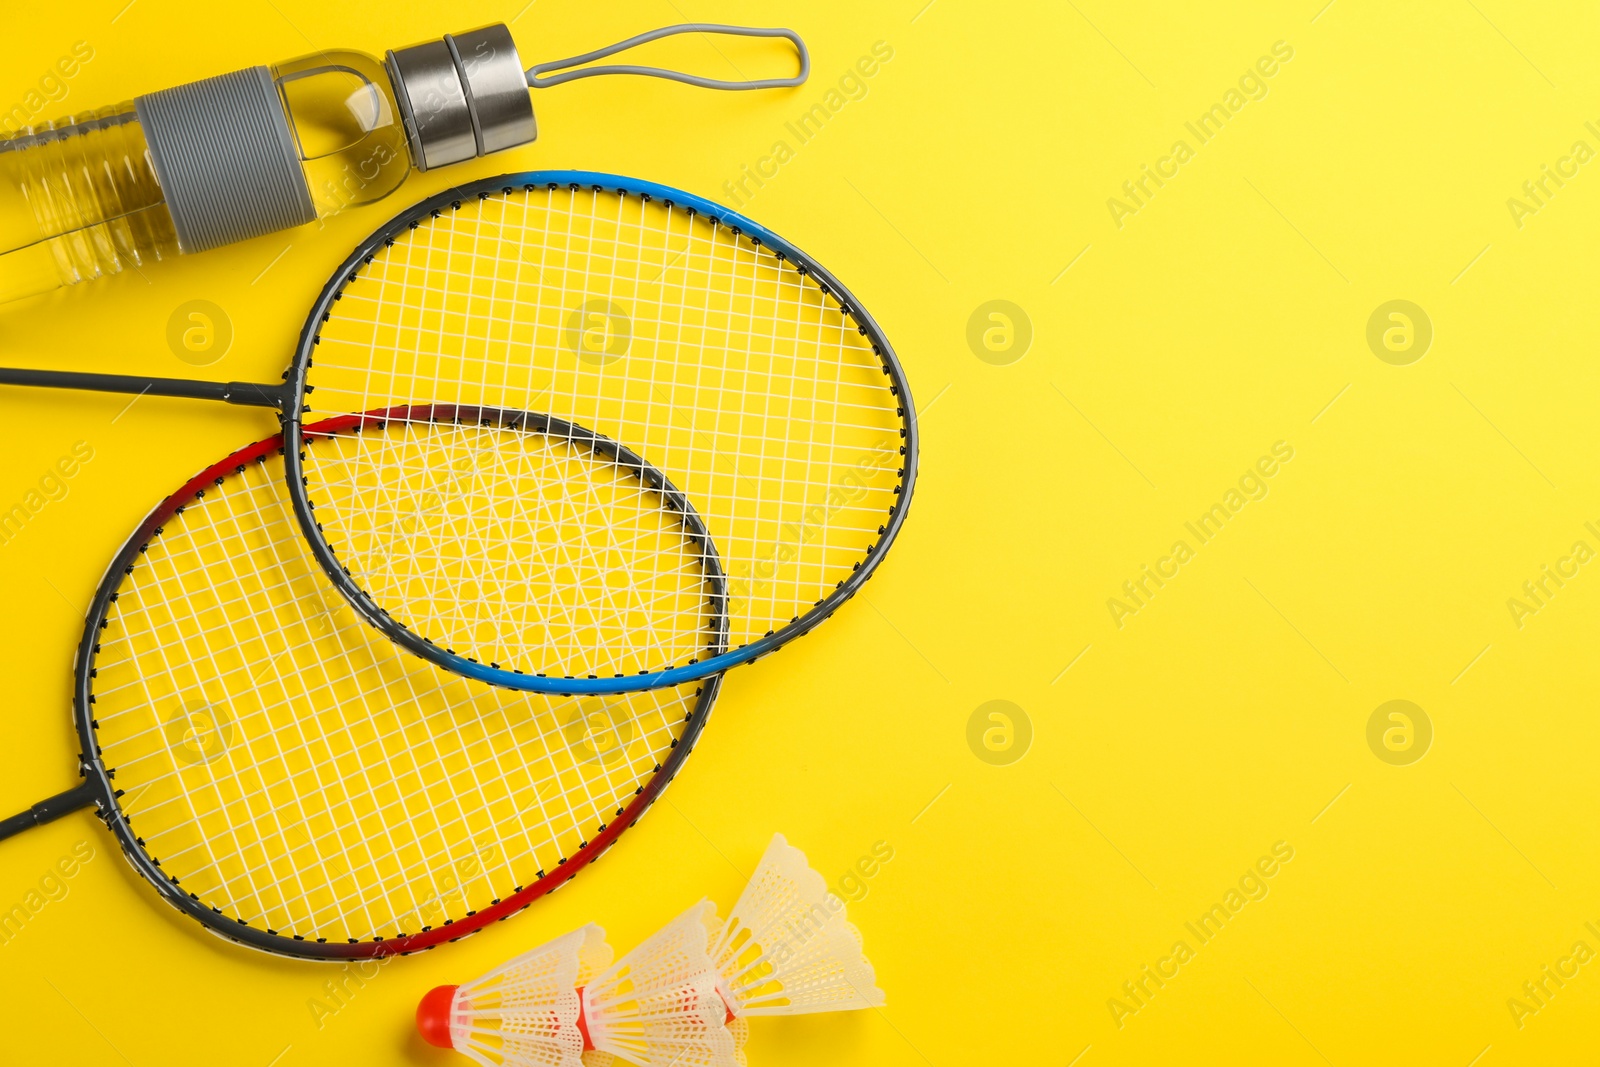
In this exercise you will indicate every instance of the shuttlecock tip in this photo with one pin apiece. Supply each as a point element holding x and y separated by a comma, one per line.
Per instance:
<point>433,1015</point>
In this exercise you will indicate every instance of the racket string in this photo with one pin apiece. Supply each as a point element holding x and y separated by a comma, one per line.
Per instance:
<point>280,754</point>
<point>593,577</point>
<point>381,801</point>
<point>782,428</point>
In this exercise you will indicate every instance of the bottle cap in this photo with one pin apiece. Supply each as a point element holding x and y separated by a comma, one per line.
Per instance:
<point>463,96</point>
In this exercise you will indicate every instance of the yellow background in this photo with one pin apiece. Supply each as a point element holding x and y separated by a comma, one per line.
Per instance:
<point>1228,714</point>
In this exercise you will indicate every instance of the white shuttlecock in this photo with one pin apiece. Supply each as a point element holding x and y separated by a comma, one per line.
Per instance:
<point>678,1000</point>
<point>787,948</point>
<point>659,1004</point>
<point>526,1013</point>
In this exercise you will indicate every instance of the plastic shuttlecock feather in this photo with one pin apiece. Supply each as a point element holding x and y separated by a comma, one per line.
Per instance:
<point>678,1000</point>
<point>787,948</point>
<point>526,1013</point>
<point>659,1004</point>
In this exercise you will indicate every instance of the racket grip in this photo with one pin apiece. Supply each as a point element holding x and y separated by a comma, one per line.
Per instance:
<point>50,810</point>
<point>247,393</point>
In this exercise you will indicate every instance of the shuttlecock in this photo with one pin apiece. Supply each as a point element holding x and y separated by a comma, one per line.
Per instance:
<point>787,948</point>
<point>527,1013</point>
<point>682,998</point>
<point>659,1004</point>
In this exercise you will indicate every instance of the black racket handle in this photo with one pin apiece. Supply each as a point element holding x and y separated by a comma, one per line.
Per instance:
<point>250,394</point>
<point>50,810</point>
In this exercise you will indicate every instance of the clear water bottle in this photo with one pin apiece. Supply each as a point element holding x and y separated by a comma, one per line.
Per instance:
<point>247,153</point>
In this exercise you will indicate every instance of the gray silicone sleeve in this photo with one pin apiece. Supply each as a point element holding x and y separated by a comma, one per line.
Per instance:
<point>225,157</point>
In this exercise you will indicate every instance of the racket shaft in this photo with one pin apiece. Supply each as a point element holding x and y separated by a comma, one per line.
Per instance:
<point>247,393</point>
<point>80,796</point>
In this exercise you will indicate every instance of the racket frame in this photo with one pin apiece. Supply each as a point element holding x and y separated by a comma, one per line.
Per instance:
<point>483,189</point>
<point>99,789</point>
<point>289,398</point>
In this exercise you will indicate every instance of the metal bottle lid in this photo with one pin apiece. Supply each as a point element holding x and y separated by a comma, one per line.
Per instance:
<point>463,96</point>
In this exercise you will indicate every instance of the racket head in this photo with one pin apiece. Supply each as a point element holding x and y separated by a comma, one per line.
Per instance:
<point>281,773</point>
<point>750,376</point>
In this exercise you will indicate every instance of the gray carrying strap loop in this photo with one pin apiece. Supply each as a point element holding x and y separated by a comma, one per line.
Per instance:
<point>537,82</point>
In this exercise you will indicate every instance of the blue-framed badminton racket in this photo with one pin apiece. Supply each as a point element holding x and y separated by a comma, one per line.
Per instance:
<point>721,354</point>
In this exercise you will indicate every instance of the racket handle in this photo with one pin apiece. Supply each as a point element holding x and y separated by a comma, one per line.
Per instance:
<point>248,393</point>
<point>50,810</point>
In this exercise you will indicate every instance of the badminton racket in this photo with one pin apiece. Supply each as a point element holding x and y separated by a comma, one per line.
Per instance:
<point>281,773</point>
<point>740,367</point>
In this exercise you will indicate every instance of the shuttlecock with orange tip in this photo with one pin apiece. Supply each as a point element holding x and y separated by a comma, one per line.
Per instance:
<point>526,1013</point>
<point>787,948</point>
<point>659,1004</point>
<point>682,998</point>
